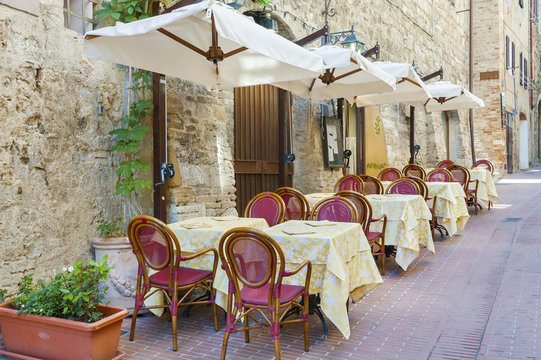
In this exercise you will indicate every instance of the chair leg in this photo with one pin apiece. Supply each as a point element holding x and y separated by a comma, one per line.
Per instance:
<point>224,345</point>
<point>174,325</point>
<point>215,313</point>
<point>246,332</point>
<point>382,252</point>
<point>305,315</point>
<point>277,349</point>
<point>475,199</point>
<point>133,320</point>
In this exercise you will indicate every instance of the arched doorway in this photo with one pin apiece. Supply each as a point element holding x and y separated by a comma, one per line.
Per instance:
<point>523,153</point>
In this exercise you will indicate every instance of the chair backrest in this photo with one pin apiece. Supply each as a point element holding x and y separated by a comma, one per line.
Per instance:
<point>268,206</point>
<point>460,174</point>
<point>296,204</point>
<point>423,188</point>
<point>372,185</point>
<point>445,164</point>
<point>439,175</point>
<point>253,258</point>
<point>335,208</point>
<point>389,174</point>
<point>362,204</point>
<point>414,170</point>
<point>350,182</point>
<point>403,186</point>
<point>154,244</point>
<point>485,164</point>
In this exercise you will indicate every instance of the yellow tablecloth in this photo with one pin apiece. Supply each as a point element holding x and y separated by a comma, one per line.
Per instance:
<point>450,206</point>
<point>314,198</point>
<point>198,233</point>
<point>408,224</point>
<point>342,264</point>
<point>486,190</point>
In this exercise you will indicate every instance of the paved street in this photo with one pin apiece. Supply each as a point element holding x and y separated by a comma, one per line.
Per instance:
<point>478,297</point>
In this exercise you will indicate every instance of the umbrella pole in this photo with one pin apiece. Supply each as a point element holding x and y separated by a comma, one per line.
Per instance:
<point>412,135</point>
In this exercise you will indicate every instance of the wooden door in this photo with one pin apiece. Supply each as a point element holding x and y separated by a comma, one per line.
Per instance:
<point>262,138</point>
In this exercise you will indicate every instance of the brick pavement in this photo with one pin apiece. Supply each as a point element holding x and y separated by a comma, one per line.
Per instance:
<point>477,297</point>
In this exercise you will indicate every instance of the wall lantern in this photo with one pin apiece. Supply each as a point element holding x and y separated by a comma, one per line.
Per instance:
<point>348,39</point>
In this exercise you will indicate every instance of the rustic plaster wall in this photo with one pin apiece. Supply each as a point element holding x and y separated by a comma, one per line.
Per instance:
<point>56,177</point>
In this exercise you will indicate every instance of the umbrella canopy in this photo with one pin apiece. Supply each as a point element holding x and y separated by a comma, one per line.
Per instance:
<point>410,88</point>
<point>446,96</point>
<point>193,42</point>
<point>347,74</point>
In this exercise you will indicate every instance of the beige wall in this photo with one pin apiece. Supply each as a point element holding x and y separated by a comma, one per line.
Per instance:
<point>56,178</point>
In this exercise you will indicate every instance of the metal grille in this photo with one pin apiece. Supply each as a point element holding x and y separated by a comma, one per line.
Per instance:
<point>511,219</point>
<point>79,15</point>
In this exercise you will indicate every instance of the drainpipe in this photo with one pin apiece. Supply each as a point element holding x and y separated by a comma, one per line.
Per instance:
<point>531,140</point>
<point>471,82</point>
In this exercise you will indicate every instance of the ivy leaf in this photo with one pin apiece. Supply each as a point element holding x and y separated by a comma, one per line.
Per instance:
<point>115,15</point>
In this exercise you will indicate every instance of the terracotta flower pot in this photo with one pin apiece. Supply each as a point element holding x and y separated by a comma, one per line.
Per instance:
<point>52,338</point>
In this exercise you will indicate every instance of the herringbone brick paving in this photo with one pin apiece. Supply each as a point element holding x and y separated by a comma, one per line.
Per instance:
<point>478,297</point>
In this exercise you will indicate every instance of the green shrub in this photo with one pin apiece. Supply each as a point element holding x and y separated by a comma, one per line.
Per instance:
<point>73,293</point>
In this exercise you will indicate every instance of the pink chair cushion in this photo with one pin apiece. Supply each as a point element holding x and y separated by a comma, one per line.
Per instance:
<point>373,235</point>
<point>186,276</point>
<point>350,184</point>
<point>293,207</point>
<point>266,208</point>
<point>438,176</point>
<point>404,188</point>
<point>260,295</point>
<point>390,176</point>
<point>334,211</point>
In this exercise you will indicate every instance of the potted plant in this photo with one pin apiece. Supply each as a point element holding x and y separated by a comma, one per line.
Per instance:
<point>62,318</point>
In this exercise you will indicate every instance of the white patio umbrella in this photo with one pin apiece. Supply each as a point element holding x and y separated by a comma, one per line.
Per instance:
<point>446,96</point>
<point>346,75</point>
<point>197,41</point>
<point>410,89</point>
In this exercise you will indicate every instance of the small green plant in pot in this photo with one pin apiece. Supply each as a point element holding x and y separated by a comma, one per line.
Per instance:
<point>64,314</point>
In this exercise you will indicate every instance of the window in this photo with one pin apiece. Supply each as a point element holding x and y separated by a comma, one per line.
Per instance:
<point>78,15</point>
<point>534,11</point>
<point>512,58</point>
<point>521,69</point>
<point>507,53</point>
<point>525,71</point>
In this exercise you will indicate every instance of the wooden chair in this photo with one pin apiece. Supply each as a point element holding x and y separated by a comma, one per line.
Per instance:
<point>372,185</point>
<point>485,164</point>
<point>403,186</point>
<point>297,207</point>
<point>414,170</point>
<point>350,182</point>
<point>335,208</point>
<point>375,239</point>
<point>254,260</point>
<point>462,175</point>
<point>439,175</point>
<point>445,164</point>
<point>425,194</point>
<point>156,247</point>
<point>268,206</point>
<point>389,174</point>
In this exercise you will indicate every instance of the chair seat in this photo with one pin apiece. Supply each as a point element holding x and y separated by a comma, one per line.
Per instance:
<point>186,276</point>
<point>260,296</point>
<point>373,235</point>
<point>472,191</point>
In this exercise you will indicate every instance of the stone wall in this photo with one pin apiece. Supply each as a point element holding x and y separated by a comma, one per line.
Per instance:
<point>56,174</point>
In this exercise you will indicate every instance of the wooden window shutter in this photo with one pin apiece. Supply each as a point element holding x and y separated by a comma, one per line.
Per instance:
<point>507,52</point>
<point>513,57</point>
<point>521,68</point>
<point>525,81</point>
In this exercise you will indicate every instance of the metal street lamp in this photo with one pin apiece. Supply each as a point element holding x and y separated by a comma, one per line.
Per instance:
<point>348,39</point>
